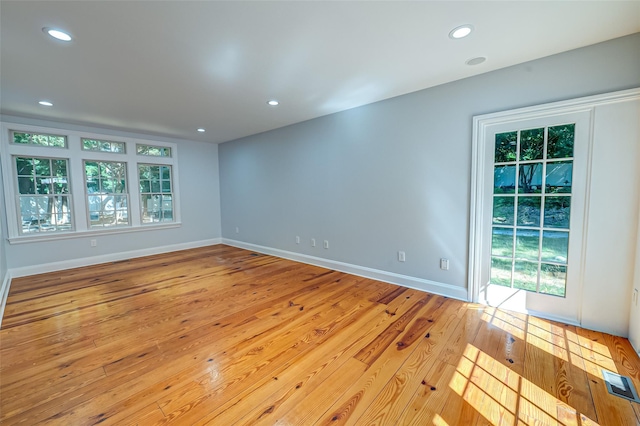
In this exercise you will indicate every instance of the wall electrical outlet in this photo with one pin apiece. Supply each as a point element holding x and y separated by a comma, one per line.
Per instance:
<point>444,264</point>
<point>297,239</point>
<point>313,242</point>
<point>401,256</point>
<point>237,230</point>
<point>326,244</point>
<point>94,243</point>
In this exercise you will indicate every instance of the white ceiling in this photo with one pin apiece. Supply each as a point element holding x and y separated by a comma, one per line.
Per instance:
<point>166,68</point>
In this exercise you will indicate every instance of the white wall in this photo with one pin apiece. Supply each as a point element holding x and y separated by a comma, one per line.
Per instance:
<point>395,175</point>
<point>634,314</point>
<point>612,226</point>
<point>200,211</point>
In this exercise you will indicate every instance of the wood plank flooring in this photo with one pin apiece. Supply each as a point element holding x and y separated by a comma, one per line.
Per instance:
<point>223,336</point>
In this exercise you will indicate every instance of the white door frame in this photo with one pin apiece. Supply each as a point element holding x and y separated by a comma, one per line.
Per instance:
<point>479,171</point>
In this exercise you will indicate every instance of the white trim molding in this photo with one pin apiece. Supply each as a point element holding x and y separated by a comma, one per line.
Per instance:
<point>4,293</point>
<point>556,318</point>
<point>113,257</point>
<point>35,238</point>
<point>448,290</point>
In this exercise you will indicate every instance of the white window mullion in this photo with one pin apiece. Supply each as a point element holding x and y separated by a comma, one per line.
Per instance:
<point>76,173</point>
<point>134,186</point>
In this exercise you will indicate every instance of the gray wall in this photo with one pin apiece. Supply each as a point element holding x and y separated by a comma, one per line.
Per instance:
<point>395,175</point>
<point>199,200</point>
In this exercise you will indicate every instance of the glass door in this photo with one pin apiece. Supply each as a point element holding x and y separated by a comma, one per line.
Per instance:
<point>533,180</point>
<point>534,198</point>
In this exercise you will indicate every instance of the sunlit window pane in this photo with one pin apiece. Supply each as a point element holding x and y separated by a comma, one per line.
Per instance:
<point>529,211</point>
<point>527,244</point>
<point>531,144</point>
<point>103,146</point>
<point>153,151</point>
<point>559,177</point>
<point>107,197</point>
<point>557,211</point>
<point>40,139</point>
<point>502,242</point>
<point>504,179</point>
<point>555,246</point>
<point>525,275</point>
<point>561,139</point>
<point>501,271</point>
<point>530,178</point>
<point>505,148</point>
<point>43,192</point>
<point>553,279</point>
<point>156,192</point>
<point>503,210</point>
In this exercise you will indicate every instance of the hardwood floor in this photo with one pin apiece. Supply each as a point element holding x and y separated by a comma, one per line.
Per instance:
<point>224,336</point>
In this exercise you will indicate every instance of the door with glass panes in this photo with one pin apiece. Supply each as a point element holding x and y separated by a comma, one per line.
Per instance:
<point>534,198</point>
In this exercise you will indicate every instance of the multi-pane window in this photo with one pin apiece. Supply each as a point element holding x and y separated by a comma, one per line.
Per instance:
<point>103,146</point>
<point>43,165</point>
<point>107,197</point>
<point>531,208</point>
<point>156,193</point>
<point>39,139</point>
<point>43,194</point>
<point>153,151</point>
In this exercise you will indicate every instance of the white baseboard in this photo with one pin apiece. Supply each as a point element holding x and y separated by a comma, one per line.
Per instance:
<point>421,284</point>
<point>4,292</point>
<point>538,314</point>
<point>113,257</point>
<point>565,320</point>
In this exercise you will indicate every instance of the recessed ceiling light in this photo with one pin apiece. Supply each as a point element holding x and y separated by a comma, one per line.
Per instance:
<point>57,34</point>
<point>273,102</point>
<point>461,31</point>
<point>45,103</point>
<point>201,130</point>
<point>476,61</point>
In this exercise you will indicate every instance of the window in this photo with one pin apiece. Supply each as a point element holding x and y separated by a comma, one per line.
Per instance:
<point>39,139</point>
<point>43,188</point>
<point>129,184</point>
<point>107,197</point>
<point>533,172</point>
<point>153,151</point>
<point>156,193</point>
<point>104,146</point>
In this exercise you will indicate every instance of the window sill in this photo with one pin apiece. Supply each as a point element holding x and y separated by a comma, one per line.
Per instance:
<point>25,239</point>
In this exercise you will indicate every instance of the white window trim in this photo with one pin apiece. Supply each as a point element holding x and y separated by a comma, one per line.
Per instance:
<point>75,154</point>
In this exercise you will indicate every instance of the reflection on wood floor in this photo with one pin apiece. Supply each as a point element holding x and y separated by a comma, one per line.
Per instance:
<point>222,336</point>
